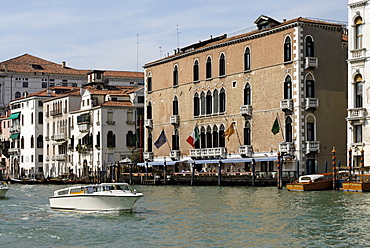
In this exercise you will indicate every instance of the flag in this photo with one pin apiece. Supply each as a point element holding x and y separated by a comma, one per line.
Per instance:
<point>276,127</point>
<point>194,136</point>
<point>161,140</point>
<point>229,131</point>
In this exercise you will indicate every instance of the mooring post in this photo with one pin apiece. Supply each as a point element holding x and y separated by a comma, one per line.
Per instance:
<point>219,173</point>
<point>333,163</point>
<point>278,171</point>
<point>192,174</point>
<point>130,173</point>
<point>253,172</point>
<point>350,163</point>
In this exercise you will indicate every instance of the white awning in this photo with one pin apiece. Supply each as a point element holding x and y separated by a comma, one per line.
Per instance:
<point>81,135</point>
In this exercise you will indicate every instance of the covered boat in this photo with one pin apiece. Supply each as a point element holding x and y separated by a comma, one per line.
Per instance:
<point>3,189</point>
<point>361,183</point>
<point>92,198</point>
<point>311,182</point>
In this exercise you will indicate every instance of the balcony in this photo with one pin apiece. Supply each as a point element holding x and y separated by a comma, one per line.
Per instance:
<point>60,157</point>
<point>148,156</point>
<point>357,115</point>
<point>47,158</point>
<point>13,150</point>
<point>213,152</point>
<point>286,104</point>
<point>148,123</point>
<point>84,128</point>
<point>60,137</point>
<point>312,146</point>
<point>312,103</point>
<point>55,112</point>
<point>15,129</point>
<point>83,119</point>
<point>246,110</point>
<point>175,154</point>
<point>47,138</point>
<point>195,153</point>
<point>246,151</point>
<point>311,62</point>
<point>287,148</point>
<point>111,122</point>
<point>358,54</point>
<point>175,119</point>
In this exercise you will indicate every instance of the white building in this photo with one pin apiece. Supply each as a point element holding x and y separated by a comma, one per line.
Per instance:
<point>358,126</point>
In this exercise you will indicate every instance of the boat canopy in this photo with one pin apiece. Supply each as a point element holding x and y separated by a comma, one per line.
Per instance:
<point>310,178</point>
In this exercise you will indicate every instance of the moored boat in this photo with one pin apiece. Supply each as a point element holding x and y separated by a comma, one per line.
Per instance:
<point>360,185</point>
<point>311,182</point>
<point>3,189</point>
<point>93,198</point>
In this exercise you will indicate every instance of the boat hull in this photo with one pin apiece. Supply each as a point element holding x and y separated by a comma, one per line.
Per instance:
<point>3,192</point>
<point>356,186</point>
<point>321,185</point>
<point>93,203</point>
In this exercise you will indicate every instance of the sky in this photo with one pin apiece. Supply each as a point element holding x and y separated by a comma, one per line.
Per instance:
<point>124,35</point>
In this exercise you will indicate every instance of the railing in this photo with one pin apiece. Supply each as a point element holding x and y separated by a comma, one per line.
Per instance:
<point>356,113</point>
<point>311,62</point>
<point>148,123</point>
<point>286,147</point>
<point>84,127</point>
<point>312,103</point>
<point>195,153</point>
<point>47,158</point>
<point>246,150</point>
<point>60,136</point>
<point>174,119</point>
<point>13,150</point>
<point>175,154</point>
<point>148,155</point>
<point>246,110</point>
<point>15,129</point>
<point>213,152</point>
<point>55,112</point>
<point>286,104</point>
<point>358,53</point>
<point>60,157</point>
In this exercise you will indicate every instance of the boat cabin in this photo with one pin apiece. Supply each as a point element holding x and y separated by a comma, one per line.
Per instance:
<point>310,178</point>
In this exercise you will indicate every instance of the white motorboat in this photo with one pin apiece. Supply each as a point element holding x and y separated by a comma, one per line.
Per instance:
<point>93,198</point>
<point>3,189</point>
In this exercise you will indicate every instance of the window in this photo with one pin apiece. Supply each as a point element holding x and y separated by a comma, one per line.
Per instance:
<point>41,118</point>
<point>175,76</point>
<point>222,101</point>
<point>358,91</point>
<point>358,32</point>
<point>40,158</point>
<point>247,133</point>
<point>111,139</point>
<point>310,87</point>
<point>175,106</point>
<point>130,116</point>
<point>31,118</point>
<point>202,103</point>
<point>44,85</point>
<point>247,59</point>
<point>309,47</point>
<point>209,103</point>
<point>203,138</point>
<point>149,82</point>
<point>288,130</point>
<point>150,142</point>
<point>287,50</point>
<point>209,137</point>
<point>196,70</point>
<point>130,141</point>
<point>32,142</point>
<point>221,136</point>
<point>247,94</point>
<point>357,137</point>
<point>40,141</point>
<point>209,68</point>
<point>215,136</point>
<point>197,142</point>
<point>175,140</point>
<point>310,128</point>
<point>110,116</point>
<point>140,99</point>
<point>288,88</point>
<point>17,94</point>
<point>222,65</point>
<point>215,101</point>
<point>98,139</point>
<point>149,111</point>
<point>22,142</point>
<point>196,104</point>
<point>25,84</point>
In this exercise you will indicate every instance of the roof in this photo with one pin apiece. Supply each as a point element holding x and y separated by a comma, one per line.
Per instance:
<point>27,63</point>
<point>51,92</point>
<point>116,104</point>
<point>113,91</point>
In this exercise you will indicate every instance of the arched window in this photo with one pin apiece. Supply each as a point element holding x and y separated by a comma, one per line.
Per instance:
<point>310,87</point>
<point>247,59</point>
<point>175,140</point>
<point>309,47</point>
<point>287,49</point>
<point>209,103</point>
<point>196,70</point>
<point>209,137</point>
<point>358,91</point>
<point>202,103</point>
<point>247,133</point>
<point>31,118</point>
<point>203,138</point>
<point>358,32</point>
<point>196,104</point>
<point>97,140</point>
<point>221,137</point>
<point>247,94</point>
<point>288,130</point>
<point>175,106</point>
<point>222,101</point>
<point>110,116</point>
<point>40,141</point>
<point>310,128</point>
<point>215,101</point>
<point>111,139</point>
<point>209,68</point>
<point>215,136</point>
<point>149,82</point>
<point>41,118</point>
<point>222,65</point>
<point>130,139</point>
<point>17,94</point>
<point>32,142</point>
<point>150,142</point>
<point>197,142</point>
<point>130,116</point>
<point>149,111</point>
<point>22,142</point>
<point>288,88</point>
<point>357,136</point>
<point>175,76</point>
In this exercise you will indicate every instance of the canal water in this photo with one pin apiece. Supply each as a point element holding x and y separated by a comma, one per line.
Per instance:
<point>185,216</point>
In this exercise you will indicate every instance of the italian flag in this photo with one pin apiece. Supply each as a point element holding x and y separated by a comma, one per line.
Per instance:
<point>193,137</point>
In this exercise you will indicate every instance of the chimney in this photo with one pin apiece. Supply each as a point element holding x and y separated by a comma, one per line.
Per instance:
<point>64,64</point>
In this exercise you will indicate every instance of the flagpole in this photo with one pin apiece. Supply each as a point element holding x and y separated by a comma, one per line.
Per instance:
<point>237,133</point>
<point>282,132</point>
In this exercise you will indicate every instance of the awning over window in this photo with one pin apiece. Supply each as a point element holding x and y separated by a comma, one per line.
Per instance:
<point>81,135</point>
<point>14,136</point>
<point>58,143</point>
<point>14,116</point>
<point>150,164</point>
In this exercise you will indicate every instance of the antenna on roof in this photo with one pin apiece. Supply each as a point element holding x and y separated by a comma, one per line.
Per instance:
<point>177,32</point>
<point>137,52</point>
<point>160,52</point>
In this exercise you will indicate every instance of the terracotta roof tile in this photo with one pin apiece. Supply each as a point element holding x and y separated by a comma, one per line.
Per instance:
<point>116,104</point>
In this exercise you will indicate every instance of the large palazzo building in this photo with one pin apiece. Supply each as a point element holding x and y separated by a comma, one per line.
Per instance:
<point>280,89</point>
<point>358,128</point>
